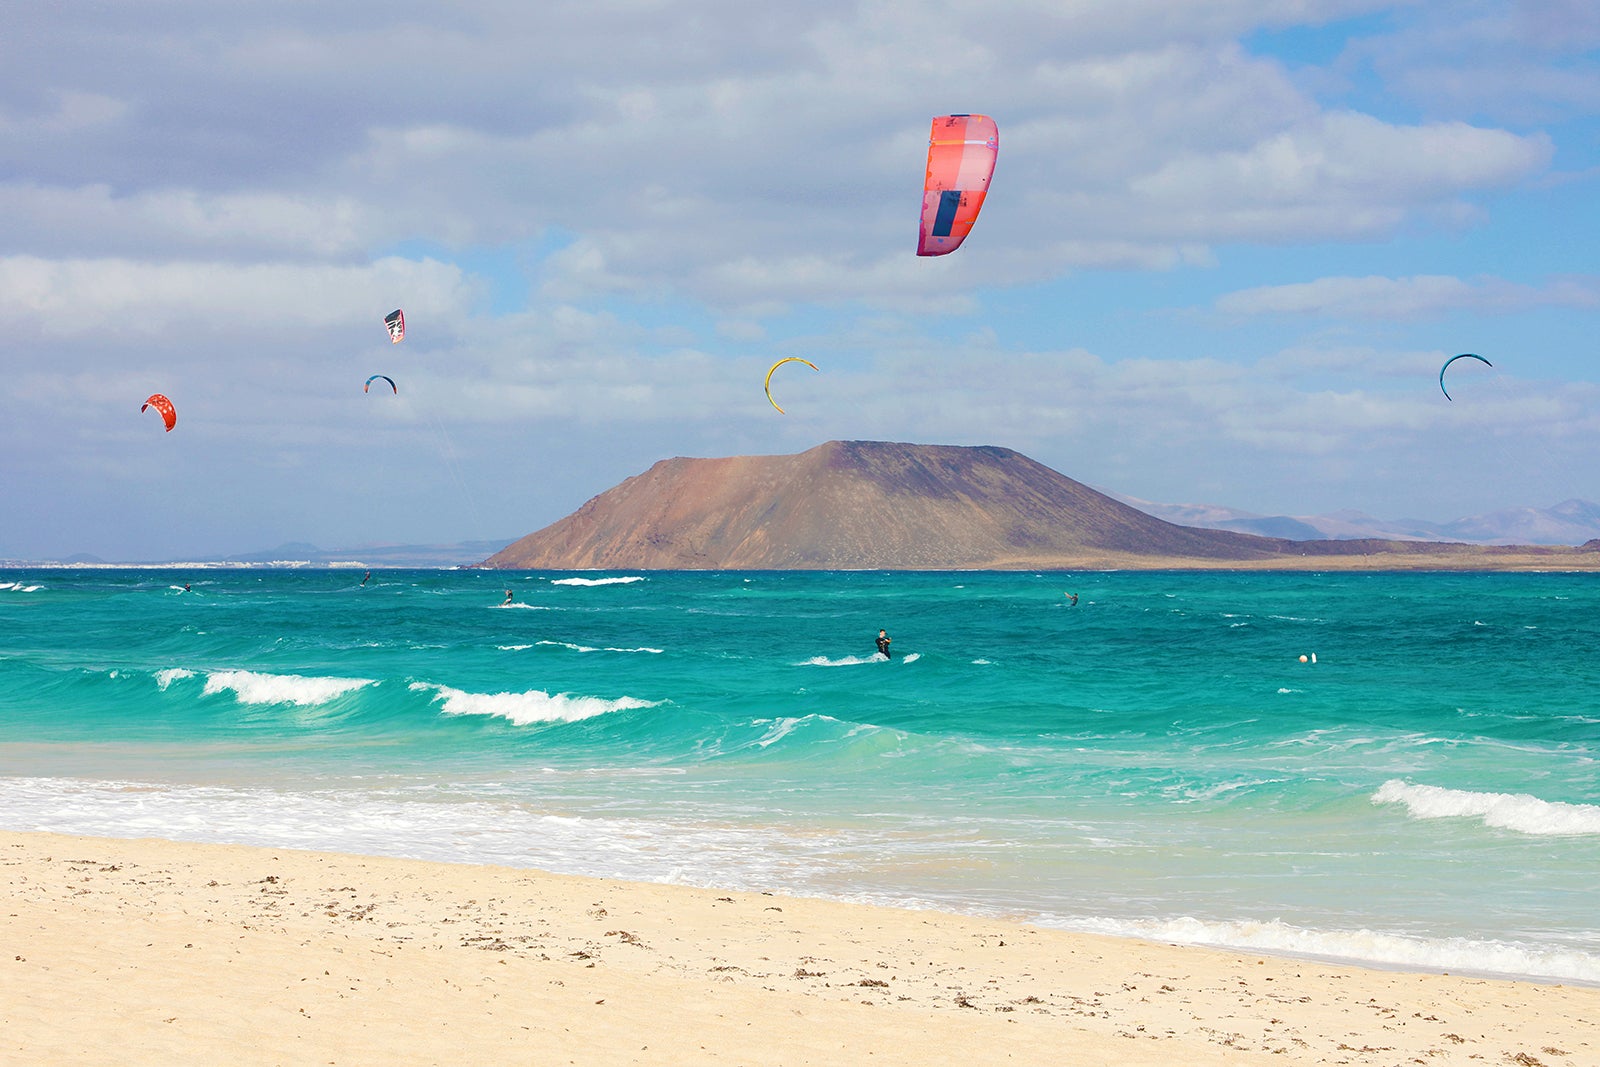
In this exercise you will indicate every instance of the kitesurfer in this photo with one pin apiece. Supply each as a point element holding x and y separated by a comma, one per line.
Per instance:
<point>366,577</point>
<point>883,643</point>
<point>508,599</point>
<point>1073,599</point>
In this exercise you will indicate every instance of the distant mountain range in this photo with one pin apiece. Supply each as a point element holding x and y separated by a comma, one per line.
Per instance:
<point>867,505</point>
<point>855,504</point>
<point>1571,522</point>
<point>300,554</point>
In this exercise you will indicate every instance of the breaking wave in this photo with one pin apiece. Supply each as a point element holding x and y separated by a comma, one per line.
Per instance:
<point>250,687</point>
<point>1504,811</point>
<point>598,581</point>
<point>525,709</point>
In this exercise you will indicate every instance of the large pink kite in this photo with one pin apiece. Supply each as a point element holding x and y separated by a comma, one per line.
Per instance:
<point>961,153</point>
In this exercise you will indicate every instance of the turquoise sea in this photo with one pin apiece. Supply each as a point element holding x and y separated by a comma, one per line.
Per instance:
<point>1423,790</point>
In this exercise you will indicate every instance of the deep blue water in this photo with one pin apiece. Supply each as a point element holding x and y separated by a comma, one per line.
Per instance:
<point>1155,760</point>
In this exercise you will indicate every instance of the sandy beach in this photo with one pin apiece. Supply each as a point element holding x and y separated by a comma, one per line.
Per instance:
<point>146,952</point>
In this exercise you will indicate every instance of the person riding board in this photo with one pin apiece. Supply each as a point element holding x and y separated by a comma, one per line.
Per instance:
<point>883,643</point>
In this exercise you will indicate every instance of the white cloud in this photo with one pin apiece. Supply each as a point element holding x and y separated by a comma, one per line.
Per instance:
<point>1525,61</point>
<point>70,111</point>
<point>731,156</point>
<point>1338,176</point>
<point>1418,297</point>
<point>128,297</point>
<point>154,222</point>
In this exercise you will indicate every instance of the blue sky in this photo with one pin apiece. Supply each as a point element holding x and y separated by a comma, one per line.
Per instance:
<point>1228,246</point>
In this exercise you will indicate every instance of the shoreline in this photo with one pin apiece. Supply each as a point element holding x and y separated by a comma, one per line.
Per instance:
<point>1470,559</point>
<point>170,951</point>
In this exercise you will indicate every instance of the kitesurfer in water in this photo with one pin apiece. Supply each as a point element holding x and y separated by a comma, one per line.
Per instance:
<point>508,599</point>
<point>366,577</point>
<point>1072,598</point>
<point>883,643</point>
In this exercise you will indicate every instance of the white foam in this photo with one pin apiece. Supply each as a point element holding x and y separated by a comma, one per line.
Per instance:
<point>1367,946</point>
<point>524,607</point>
<point>410,820</point>
<point>589,648</point>
<point>253,688</point>
<point>18,587</point>
<point>172,674</point>
<point>598,581</point>
<point>778,729</point>
<point>1505,811</point>
<point>513,648</point>
<point>524,709</point>
<point>843,661</point>
<point>392,823</point>
<point>912,658</point>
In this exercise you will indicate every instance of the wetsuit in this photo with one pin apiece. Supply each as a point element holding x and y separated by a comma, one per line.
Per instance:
<point>883,647</point>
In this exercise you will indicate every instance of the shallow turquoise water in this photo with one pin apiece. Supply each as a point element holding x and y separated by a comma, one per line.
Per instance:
<point>1153,761</point>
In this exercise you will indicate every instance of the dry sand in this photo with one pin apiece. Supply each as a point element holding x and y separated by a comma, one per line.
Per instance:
<point>152,952</point>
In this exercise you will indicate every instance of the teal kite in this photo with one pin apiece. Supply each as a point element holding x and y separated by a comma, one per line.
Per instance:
<point>1452,359</point>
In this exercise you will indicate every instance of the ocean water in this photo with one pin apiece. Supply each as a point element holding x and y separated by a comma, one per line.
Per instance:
<point>1423,790</point>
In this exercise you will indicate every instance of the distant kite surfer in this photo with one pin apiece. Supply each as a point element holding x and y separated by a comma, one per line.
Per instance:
<point>366,578</point>
<point>883,643</point>
<point>507,602</point>
<point>1072,598</point>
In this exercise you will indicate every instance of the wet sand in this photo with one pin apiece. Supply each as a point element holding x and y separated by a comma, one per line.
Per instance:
<point>154,952</point>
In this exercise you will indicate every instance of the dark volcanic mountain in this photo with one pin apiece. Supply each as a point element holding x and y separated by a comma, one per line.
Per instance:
<point>851,505</point>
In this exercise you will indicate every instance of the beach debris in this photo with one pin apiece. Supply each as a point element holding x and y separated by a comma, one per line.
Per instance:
<point>169,414</point>
<point>396,321</point>
<point>627,938</point>
<point>1452,359</point>
<point>961,155</point>
<point>775,366</point>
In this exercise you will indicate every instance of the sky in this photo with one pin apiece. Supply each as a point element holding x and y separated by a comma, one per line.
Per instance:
<point>1226,249</point>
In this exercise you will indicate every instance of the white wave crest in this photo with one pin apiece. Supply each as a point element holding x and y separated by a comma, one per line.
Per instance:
<point>778,729</point>
<point>1454,954</point>
<point>598,581</point>
<point>524,709</point>
<point>253,688</point>
<point>589,648</point>
<point>524,607</point>
<point>843,661</point>
<point>172,674</point>
<point>1505,811</point>
<point>18,587</point>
